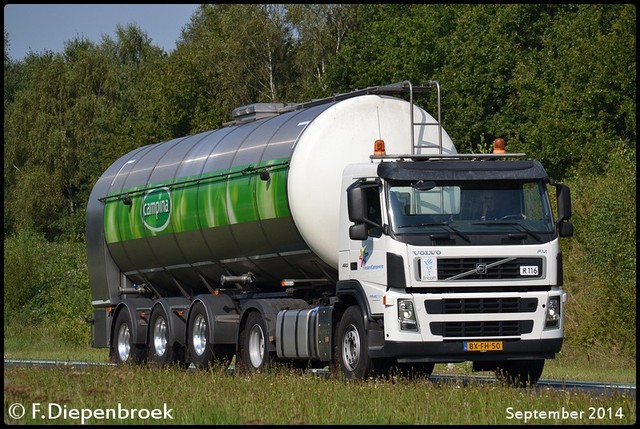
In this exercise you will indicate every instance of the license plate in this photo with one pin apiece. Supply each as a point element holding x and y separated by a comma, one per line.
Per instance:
<point>483,346</point>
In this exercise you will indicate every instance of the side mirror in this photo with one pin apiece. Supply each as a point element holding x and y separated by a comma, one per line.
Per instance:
<point>359,231</point>
<point>563,195</point>
<point>359,211</point>
<point>565,229</point>
<point>357,204</point>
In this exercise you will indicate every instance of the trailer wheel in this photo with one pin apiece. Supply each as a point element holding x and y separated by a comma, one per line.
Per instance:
<point>161,348</point>
<point>520,373</point>
<point>123,349</point>
<point>202,352</point>
<point>253,354</point>
<point>351,346</point>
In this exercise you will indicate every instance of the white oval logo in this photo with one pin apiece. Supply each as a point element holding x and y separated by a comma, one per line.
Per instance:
<point>156,209</point>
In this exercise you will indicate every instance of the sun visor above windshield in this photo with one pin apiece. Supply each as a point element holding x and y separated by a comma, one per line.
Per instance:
<point>462,170</point>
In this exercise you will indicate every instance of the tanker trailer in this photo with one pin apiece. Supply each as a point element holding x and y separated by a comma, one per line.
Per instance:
<point>256,240</point>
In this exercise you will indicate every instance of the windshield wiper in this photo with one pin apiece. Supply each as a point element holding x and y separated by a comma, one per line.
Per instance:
<point>524,228</point>
<point>445,224</point>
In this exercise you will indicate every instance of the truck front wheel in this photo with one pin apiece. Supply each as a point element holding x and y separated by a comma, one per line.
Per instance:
<point>351,345</point>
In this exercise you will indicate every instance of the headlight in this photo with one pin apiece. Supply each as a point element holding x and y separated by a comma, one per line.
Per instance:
<point>406,315</point>
<point>553,312</point>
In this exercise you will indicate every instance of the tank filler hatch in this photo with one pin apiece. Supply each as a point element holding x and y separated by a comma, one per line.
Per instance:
<point>256,111</point>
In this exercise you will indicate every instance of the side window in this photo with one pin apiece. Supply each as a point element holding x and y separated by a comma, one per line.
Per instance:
<point>533,208</point>
<point>375,212</point>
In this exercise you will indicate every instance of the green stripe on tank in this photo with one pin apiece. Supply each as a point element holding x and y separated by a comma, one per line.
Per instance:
<point>198,202</point>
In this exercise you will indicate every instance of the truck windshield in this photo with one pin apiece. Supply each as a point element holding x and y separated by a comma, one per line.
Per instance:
<point>469,207</point>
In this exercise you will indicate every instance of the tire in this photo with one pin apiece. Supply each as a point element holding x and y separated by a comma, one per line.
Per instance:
<point>162,350</point>
<point>253,353</point>
<point>201,352</point>
<point>351,346</point>
<point>522,373</point>
<point>123,350</point>
<point>199,348</point>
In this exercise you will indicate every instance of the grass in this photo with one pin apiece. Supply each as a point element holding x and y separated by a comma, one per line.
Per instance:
<point>24,342</point>
<point>72,395</point>
<point>289,397</point>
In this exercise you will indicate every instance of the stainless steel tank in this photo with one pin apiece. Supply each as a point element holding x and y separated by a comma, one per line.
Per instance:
<point>260,196</point>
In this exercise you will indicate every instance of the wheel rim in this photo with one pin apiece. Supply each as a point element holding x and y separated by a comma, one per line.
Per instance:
<point>160,336</point>
<point>351,348</point>
<point>124,347</point>
<point>256,346</point>
<point>199,336</point>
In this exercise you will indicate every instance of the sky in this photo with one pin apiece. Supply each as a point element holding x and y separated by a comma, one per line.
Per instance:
<point>46,27</point>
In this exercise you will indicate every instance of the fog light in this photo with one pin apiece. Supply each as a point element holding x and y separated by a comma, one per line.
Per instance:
<point>406,315</point>
<point>553,312</point>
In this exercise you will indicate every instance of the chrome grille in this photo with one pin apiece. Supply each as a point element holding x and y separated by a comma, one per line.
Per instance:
<point>465,269</point>
<point>481,305</point>
<point>482,329</point>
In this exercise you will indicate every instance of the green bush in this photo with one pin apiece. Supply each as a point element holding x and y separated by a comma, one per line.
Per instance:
<point>24,279</point>
<point>46,284</point>
<point>602,274</point>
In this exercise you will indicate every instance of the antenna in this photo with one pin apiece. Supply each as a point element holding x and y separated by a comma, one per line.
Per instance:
<point>378,145</point>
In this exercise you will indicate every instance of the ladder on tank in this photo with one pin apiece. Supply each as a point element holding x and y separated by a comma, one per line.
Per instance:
<point>404,87</point>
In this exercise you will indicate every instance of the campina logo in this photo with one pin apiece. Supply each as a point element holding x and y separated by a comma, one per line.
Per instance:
<point>156,209</point>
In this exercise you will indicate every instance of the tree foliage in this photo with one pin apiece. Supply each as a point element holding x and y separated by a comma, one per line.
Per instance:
<point>320,30</point>
<point>604,255</point>
<point>557,81</point>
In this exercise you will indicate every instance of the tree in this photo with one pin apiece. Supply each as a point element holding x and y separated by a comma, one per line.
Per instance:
<point>71,119</point>
<point>577,92</point>
<point>140,118</point>
<point>230,55</point>
<point>319,30</point>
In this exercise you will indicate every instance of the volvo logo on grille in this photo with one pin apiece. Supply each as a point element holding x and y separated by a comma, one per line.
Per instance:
<point>481,268</point>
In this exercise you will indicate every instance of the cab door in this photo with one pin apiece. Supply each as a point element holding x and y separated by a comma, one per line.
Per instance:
<point>367,243</point>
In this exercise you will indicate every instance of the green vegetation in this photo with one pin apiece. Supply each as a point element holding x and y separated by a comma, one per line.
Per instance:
<point>287,397</point>
<point>557,81</point>
<point>46,286</point>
